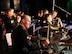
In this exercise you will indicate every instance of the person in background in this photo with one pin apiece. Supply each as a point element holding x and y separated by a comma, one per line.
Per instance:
<point>9,20</point>
<point>56,20</point>
<point>45,11</point>
<point>9,24</point>
<point>56,33</point>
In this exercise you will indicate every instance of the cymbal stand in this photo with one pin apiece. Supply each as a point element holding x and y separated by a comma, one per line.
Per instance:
<point>34,28</point>
<point>39,40</point>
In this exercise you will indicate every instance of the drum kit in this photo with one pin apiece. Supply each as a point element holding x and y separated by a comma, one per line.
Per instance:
<point>54,37</point>
<point>44,29</point>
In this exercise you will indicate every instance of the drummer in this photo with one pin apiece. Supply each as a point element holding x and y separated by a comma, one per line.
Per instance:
<point>20,37</point>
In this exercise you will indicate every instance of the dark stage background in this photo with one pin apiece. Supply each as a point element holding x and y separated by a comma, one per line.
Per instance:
<point>32,6</point>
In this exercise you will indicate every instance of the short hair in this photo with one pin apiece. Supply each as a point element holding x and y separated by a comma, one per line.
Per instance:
<point>7,10</point>
<point>24,17</point>
<point>54,11</point>
<point>45,10</point>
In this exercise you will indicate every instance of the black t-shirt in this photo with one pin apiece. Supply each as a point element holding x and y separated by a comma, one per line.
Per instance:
<point>19,38</point>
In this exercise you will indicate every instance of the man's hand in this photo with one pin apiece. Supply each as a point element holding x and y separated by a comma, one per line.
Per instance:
<point>46,42</point>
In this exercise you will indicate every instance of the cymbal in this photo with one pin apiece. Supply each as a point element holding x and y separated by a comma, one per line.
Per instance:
<point>38,38</point>
<point>51,27</point>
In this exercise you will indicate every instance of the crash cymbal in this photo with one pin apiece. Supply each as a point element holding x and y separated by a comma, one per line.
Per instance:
<point>38,38</point>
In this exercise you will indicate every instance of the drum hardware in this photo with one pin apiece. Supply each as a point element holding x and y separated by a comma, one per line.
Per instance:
<point>46,29</point>
<point>54,38</point>
<point>34,29</point>
<point>64,32</point>
<point>63,29</point>
<point>37,38</point>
